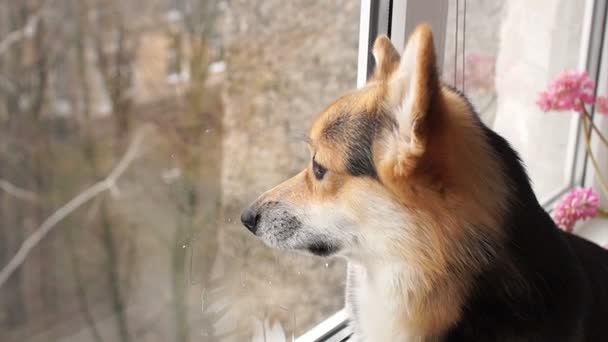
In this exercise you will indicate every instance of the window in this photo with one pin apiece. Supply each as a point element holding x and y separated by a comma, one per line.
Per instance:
<point>502,54</point>
<point>131,136</point>
<point>132,133</point>
<point>595,229</point>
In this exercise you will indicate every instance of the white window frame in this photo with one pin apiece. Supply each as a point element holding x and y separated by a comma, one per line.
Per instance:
<point>597,66</point>
<point>397,19</point>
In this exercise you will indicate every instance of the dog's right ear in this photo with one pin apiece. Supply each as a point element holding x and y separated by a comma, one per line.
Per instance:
<point>413,89</point>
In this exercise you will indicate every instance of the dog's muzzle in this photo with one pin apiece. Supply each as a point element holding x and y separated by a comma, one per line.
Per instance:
<point>270,218</point>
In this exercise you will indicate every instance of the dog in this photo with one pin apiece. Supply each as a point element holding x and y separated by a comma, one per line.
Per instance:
<point>436,216</point>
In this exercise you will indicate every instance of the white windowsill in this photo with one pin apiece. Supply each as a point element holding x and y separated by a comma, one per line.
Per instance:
<point>595,230</point>
<point>319,332</point>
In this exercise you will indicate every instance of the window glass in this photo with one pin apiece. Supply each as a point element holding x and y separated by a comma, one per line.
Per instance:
<point>512,50</point>
<point>162,119</point>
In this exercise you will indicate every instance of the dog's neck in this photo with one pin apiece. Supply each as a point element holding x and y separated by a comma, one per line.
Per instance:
<point>387,303</point>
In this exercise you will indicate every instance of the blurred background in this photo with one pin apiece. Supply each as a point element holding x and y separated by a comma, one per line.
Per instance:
<point>221,93</point>
<point>192,108</point>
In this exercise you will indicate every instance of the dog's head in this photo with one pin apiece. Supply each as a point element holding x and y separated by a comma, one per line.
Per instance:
<point>398,169</point>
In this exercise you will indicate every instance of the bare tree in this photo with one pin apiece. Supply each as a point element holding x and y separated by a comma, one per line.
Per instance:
<point>106,184</point>
<point>67,113</point>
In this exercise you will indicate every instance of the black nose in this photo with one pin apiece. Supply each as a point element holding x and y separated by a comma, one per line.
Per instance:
<point>250,219</point>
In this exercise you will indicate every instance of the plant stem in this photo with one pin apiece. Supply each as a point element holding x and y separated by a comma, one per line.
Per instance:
<point>597,130</point>
<point>586,135</point>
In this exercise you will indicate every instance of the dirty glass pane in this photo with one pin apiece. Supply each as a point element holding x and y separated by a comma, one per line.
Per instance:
<point>132,133</point>
<point>509,52</point>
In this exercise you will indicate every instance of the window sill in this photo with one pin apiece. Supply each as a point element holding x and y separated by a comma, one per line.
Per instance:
<point>333,329</point>
<point>595,230</point>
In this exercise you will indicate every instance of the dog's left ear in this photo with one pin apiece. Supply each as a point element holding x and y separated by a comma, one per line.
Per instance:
<point>413,90</point>
<point>386,58</point>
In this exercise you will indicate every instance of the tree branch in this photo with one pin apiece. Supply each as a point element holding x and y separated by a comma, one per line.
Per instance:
<point>17,192</point>
<point>107,184</point>
<point>597,130</point>
<point>13,37</point>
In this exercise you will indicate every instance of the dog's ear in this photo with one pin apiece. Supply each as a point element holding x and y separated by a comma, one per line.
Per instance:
<point>413,90</point>
<point>386,57</point>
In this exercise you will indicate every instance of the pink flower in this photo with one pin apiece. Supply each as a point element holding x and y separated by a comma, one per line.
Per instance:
<point>578,204</point>
<point>601,105</point>
<point>570,91</point>
<point>480,72</point>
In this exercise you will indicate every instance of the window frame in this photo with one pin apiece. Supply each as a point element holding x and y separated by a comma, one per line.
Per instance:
<point>576,170</point>
<point>397,19</point>
<point>597,66</point>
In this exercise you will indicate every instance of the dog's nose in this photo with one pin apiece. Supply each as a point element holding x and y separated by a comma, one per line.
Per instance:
<point>250,219</point>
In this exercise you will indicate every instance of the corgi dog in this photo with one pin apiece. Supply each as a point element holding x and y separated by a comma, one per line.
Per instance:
<point>435,214</point>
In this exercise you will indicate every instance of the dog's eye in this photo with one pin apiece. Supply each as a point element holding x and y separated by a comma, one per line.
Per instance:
<point>318,170</point>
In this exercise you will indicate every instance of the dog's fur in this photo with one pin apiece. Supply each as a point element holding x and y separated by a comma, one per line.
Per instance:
<point>434,211</point>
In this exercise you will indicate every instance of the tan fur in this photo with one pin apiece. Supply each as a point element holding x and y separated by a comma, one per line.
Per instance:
<point>444,186</point>
<point>432,176</point>
<point>386,56</point>
<point>302,188</point>
<point>440,177</point>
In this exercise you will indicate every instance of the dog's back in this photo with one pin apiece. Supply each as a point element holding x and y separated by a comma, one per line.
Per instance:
<point>560,296</point>
<point>594,262</point>
<point>546,285</point>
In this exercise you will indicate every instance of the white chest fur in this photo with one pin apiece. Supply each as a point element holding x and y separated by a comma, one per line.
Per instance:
<point>377,302</point>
